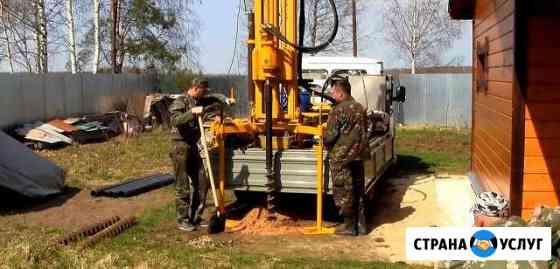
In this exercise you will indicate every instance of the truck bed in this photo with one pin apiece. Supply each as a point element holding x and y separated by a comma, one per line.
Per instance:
<point>246,170</point>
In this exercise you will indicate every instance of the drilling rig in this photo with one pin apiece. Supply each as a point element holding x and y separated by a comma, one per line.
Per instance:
<point>285,150</point>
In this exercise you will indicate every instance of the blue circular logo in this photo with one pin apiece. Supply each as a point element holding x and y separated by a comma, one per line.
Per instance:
<point>483,243</point>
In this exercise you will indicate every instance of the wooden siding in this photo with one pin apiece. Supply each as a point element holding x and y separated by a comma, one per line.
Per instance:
<point>541,180</point>
<point>492,108</point>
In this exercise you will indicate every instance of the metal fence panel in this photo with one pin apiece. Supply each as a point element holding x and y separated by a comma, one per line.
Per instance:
<point>32,87</point>
<point>55,89</point>
<point>73,95</point>
<point>28,97</point>
<point>442,100</point>
<point>10,98</point>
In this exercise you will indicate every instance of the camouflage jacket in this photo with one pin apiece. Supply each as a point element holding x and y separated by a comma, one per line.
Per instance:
<point>185,122</point>
<point>542,217</point>
<point>346,134</point>
<point>182,119</point>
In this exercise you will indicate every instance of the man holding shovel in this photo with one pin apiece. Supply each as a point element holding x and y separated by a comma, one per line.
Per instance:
<point>191,180</point>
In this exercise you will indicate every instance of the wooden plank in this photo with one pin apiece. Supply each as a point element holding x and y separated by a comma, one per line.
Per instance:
<point>494,131</point>
<point>501,151</point>
<point>485,8</point>
<point>542,111</point>
<point>543,74</point>
<point>542,147</point>
<point>540,182</point>
<point>499,59</point>
<point>546,36</point>
<point>539,165</point>
<point>495,167</point>
<point>495,103</point>
<point>502,43</point>
<point>542,129</point>
<point>532,199</point>
<point>496,31</point>
<point>500,12</point>
<point>490,180</point>
<point>500,74</point>
<point>540,56</point>
<point>543,91</point>
<point>500,89</point>
<point>496,124</point>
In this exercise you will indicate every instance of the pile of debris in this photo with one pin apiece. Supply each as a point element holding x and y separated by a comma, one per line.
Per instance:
<point>257,222</point>
<point>56,132</point>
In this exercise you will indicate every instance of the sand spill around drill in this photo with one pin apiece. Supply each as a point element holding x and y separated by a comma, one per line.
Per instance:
<point>256,222</point>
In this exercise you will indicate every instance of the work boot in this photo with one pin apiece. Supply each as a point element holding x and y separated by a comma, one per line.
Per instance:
<point>186,226</point>
<point>347,228</point>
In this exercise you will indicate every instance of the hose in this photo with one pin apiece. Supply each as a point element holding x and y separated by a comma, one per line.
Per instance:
<point>301,38</point>
<point>270,29</point>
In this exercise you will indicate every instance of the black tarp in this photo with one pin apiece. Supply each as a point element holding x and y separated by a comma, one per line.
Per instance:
<point>23,171</point>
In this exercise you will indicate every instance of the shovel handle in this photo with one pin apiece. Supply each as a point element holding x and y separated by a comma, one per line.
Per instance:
<point>208,163</point>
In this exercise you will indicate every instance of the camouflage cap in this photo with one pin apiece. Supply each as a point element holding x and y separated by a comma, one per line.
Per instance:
<point>200,81</point>
<point>491,204</point>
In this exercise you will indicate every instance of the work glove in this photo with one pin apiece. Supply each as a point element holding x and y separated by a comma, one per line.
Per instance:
<point>230,101</point>
<point>197,110</point>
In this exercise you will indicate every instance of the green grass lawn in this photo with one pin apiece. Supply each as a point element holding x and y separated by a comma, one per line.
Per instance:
<point>154,242</point>
<point>433,150</point>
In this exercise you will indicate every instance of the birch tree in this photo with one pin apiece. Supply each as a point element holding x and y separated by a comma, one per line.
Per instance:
<point>96,48</point>
<point>41,37</point>
<point>6,37</point>
<point>420,30</point>
<point>69,7</point>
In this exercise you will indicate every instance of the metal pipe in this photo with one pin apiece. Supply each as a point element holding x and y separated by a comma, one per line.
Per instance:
<point>250,47</point>
<point>270,175</point>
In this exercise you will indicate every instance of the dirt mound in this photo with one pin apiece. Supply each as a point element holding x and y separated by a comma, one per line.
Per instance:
<point>258,222</point>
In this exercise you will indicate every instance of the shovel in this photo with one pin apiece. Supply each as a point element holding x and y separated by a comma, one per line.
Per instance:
<point>217,223</point>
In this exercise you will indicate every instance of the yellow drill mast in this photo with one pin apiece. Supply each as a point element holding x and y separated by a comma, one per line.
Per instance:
<point>274,62</point>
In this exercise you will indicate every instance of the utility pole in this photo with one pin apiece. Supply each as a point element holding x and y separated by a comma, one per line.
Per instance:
<point>354,30</point>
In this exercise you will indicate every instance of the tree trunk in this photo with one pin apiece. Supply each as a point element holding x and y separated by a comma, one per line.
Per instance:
<point>354,30</point>
<point>413,66</point>
<point>7,37</point>
<point>41,37</point>
<point>96,10</point>
<point>115,35</point>
<point>71,39</point>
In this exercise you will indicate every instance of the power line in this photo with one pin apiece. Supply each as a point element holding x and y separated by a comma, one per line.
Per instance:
<point>236,37</point>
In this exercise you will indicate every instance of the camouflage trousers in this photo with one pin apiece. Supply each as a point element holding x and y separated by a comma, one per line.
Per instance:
<point>191,184</point>
<point>348,187</point>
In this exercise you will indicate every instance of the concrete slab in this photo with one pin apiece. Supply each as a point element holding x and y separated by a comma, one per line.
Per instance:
<point>418,201</point>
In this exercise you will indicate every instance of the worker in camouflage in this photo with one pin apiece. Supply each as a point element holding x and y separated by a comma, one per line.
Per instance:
<point>492,210</point>
<point>346,138</point>
<point>191,179</point>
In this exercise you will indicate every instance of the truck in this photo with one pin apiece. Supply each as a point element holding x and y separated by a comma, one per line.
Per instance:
<point>245,168</point>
